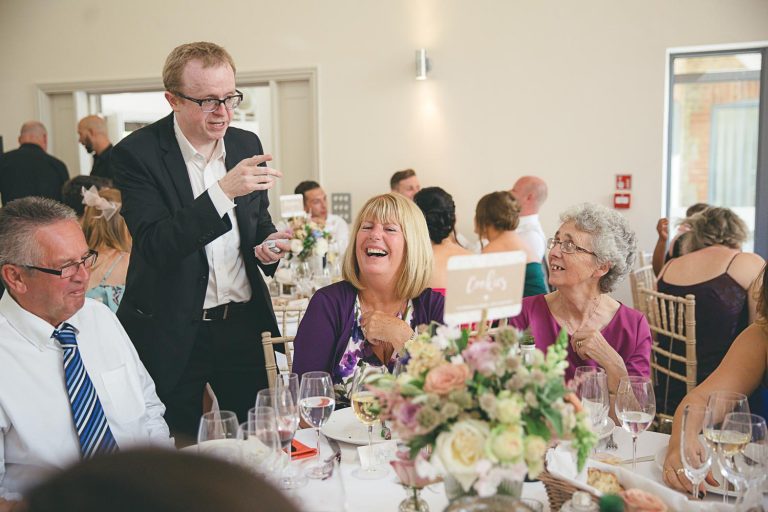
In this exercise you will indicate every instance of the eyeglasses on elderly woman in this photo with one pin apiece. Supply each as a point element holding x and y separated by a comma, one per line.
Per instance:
<point>567,246</point>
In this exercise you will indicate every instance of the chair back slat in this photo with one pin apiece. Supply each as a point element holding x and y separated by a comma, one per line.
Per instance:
<point>270,362</point>
<point>674,318</point>
<point>642,277</point>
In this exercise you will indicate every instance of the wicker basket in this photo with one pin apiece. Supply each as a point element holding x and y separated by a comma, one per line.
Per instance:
<point>559,491</point>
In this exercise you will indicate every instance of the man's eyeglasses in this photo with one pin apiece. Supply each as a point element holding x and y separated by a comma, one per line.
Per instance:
<point>70,269</point>
<point>566,246</point>
<point>208,105</point>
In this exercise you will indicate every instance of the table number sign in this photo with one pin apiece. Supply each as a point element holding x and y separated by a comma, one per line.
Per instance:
<point>292,206</point>
<point>484,286</point>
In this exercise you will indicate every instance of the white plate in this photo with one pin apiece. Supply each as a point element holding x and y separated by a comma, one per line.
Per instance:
<point>661,455</point>
<point>344,426</point>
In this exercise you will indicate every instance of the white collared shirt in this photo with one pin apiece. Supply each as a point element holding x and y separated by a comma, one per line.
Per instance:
<point>530,230</point>
<point>227,280</point>
<point>339,231</point>
<point>37,433</point>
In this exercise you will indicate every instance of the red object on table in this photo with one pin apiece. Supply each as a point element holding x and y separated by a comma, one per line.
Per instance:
<point>302,451</point>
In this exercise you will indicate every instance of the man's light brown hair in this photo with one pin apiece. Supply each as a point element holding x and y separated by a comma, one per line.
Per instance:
<point>210,54</point>
<point>399,176</point>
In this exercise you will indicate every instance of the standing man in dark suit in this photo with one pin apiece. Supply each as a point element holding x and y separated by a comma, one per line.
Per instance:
<point>92,134</point>
<point>30,170</point>
<point>195,201</point>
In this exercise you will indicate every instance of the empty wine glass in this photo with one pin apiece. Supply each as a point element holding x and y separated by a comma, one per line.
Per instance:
<point>316,403</point>
<point>696,455</point>
<point>260,442</point>
<point>635,407</point>
<point>720,404</point>
<point>218,436</point>
<point>286,405</point>
<point>591,385</point>
<point>743,455</point>
<point>366,407</point>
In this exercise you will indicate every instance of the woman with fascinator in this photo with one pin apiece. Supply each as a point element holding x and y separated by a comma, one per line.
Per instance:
<point>106,233</point>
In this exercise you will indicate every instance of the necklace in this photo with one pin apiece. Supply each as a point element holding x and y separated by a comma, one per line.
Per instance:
<point>569,326</point>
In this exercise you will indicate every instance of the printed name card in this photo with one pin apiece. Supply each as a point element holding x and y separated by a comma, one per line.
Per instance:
<point>492,281</point>
<point>292,206</point>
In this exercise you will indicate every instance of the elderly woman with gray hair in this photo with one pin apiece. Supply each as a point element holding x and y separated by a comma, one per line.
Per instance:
<point>593,249</point>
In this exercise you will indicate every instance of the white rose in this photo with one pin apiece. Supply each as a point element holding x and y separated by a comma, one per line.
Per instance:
<point>508,409</point>
<point>461,448</point>
<point>506,445</point>
<point>535,447</point>
<point>297,246</point>
<point>321,247</point>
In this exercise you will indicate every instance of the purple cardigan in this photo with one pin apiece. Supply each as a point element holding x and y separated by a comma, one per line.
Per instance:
<point>627,332</point>
<point>324,332</point>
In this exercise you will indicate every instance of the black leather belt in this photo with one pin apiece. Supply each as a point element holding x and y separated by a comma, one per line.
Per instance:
<point>224,311</point>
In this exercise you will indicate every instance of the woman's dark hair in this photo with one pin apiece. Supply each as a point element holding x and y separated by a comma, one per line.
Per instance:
<point>439,210</point>
<point>762,298</point>
<point>498,209</point>
<point>155,481</point>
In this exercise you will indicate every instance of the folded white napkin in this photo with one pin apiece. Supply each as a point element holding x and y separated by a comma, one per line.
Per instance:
<point>561,463</point>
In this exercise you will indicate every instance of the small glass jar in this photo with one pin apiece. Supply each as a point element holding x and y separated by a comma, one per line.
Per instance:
<point>580,502</point>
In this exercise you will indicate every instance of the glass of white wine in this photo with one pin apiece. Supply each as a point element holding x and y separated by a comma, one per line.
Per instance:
<point>635,407</point>
<point>744,456</point>
<point>366,408</point>
<point>316,403</point>
<point>719,405</point>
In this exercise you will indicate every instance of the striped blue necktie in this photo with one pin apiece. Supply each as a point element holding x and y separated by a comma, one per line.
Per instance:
<point>91,424</point>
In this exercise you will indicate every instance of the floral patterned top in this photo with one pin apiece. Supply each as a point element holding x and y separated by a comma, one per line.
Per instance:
<point>359,352</point>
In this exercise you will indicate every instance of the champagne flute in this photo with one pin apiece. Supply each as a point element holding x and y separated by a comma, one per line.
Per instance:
<point>218,436</point>
<point>635,408</point>
<point>696,456</point>
<point>316,403</point>
<point>366,407</point>
<point>743,455</point>
<point>592,389</point>
<point>720,404</point>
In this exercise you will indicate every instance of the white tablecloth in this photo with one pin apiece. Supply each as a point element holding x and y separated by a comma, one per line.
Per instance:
<point>350,494</point>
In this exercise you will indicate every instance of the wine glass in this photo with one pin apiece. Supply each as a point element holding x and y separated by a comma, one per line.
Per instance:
<point>743,455</point>
<point>592,389</point>
<point>261,443</point>
<point>316,403</point>
<point>366,407</point>
<point>696,456</point>
<point>635,408</point>
<point>218,436</point>
<point>286,406</point>
<point>720,404</point>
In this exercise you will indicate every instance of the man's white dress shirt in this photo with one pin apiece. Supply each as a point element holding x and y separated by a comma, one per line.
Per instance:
<point>339,230</point>
<point>37,433</point>
<point>227,280</point>
<point>530,230</point>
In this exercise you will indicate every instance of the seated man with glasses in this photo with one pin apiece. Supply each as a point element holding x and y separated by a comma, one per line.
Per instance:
<point>71,383</point>
<point>593,250</point>
<point>195,201</point>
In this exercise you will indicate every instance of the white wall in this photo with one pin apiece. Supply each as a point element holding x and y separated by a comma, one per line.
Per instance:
<point>572,91</point>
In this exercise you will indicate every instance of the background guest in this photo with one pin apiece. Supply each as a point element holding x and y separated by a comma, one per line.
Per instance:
<point>714,269</point>
<point>440,213</point>
<point>530,193</point>
<point>30,170</point>
<point>496,218</point>
<point>384,295</point>
<point>661,254</point>
<point>405,182</point>
<point>106,233</point>
<point>592,251</point>
<point>92,134</point>
<point>156,481</point>
<point>316,205</point>
<point>743,370</point>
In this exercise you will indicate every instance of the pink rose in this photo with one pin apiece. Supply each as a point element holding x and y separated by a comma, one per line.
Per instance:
<point>446,377</point>
<point>482,356</point>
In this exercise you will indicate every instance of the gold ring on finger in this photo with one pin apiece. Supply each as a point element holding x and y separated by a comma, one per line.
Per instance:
<point>680,471</point>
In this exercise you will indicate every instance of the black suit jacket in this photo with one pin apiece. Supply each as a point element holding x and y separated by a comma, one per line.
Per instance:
<point>30,171</point>
<point>168,272</point>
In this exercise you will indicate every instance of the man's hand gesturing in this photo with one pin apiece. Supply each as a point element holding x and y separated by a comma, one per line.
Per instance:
<point>247,176</point>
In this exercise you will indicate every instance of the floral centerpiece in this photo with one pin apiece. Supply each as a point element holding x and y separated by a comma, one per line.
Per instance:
<point>483,415</point>
<point>309,239</point>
